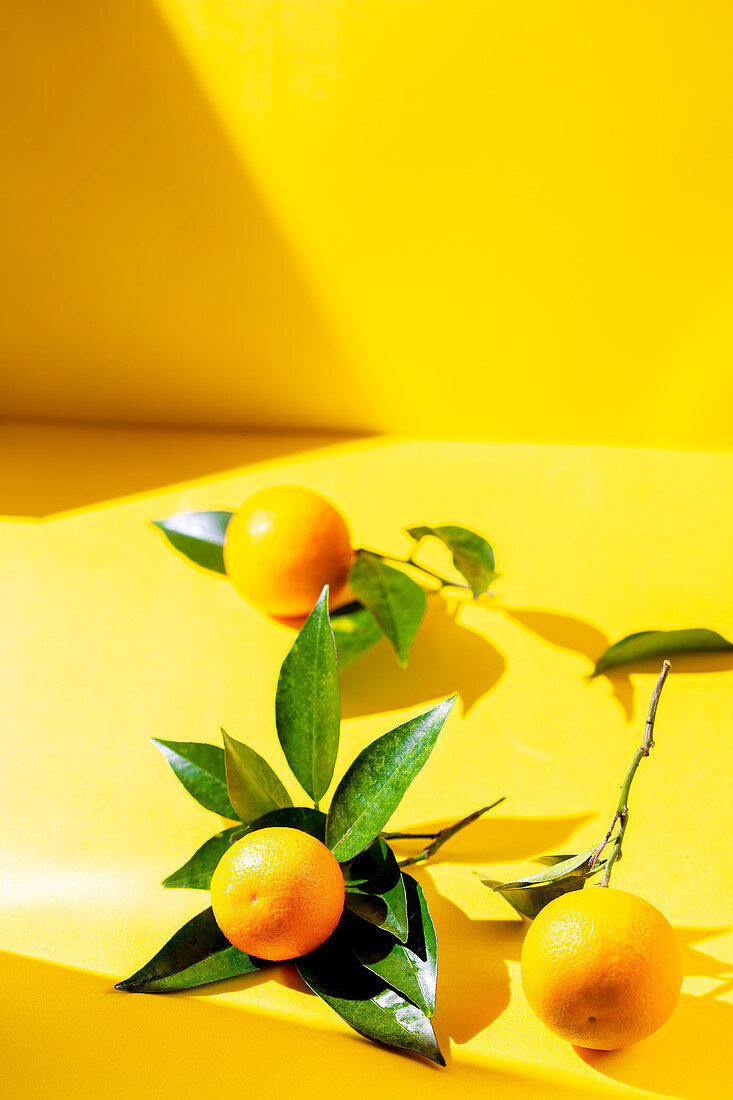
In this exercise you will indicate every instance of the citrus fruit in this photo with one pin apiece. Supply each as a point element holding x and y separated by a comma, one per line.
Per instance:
<point>601,968</point>
<point>277,893</point>
<point>283,545</point>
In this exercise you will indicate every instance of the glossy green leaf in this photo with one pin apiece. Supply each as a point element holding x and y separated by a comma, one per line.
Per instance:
<point>412,967</point>
<point>365,1001</point>
<point>196,874</point>
<point>201,770</point>
<point>472,555</point>
<point>375,889</point>
<point>308,704</point>
<point>373,786</point>
<point>293,817</point>
<point>661,643</point>
<point>394,599</point>
<point>254,788</point>
<point>198,536</point>
<point>355,631</point>
<point>531,894</point>
<point>198,954</point>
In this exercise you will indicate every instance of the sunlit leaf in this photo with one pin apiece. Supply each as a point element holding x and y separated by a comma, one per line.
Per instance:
<point>472,555</point>
<point>196,873</point>
<point>531,894</point>
<point>355,631</point>
<point>308,704</point>
<point>304,818</point>
<point>365,1001</point>
<point>198,954</point>
<point>373,786</point>
<point>201,770</point>
<point>198,536</point>
<point>375,889</point>
<point>254,788</point>
<point>661,643</point>
<point>394,599</point>
<point>412,967</point>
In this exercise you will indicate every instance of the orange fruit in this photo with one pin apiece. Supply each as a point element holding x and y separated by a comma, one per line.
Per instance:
<point>277,893</point>
<point>601,968</point>
<point>283,545</point>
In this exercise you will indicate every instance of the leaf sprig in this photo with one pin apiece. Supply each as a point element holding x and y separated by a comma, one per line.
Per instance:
<point>391,591</point>
<point>378,970</point>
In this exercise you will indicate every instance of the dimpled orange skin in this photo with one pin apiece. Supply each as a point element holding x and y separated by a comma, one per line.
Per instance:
<point>283,545</point>
<point>277,893</point>
<point>601,968</point>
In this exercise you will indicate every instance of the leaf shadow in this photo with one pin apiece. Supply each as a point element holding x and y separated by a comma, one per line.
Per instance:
<point>446,657</point>
<point>284,974</point>
<point>494,839</point>
<point>574,635</point>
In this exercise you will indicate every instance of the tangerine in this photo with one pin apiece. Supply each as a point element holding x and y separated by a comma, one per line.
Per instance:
<point>601,968</point>
<point>283,545</point>
<point>278,893</point>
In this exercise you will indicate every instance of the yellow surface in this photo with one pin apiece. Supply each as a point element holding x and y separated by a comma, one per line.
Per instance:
<point>108,639</point>
<point>463,218</point>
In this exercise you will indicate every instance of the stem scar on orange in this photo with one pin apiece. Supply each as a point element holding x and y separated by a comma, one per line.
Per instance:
<point>601,968</point>
<point>277,893</point>
<point>283,545</point>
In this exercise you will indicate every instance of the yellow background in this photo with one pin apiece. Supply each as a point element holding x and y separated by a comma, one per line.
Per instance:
<point>109,638</point>
<point>326,221</point>
<point>455,218</point>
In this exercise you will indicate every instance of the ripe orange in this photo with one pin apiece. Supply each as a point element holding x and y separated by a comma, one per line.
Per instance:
<point>283,545</point>
<point>601,968</point>
<point>277,893</point>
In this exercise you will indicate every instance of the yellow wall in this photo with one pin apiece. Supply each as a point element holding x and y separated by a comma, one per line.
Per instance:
<point>452,217</point>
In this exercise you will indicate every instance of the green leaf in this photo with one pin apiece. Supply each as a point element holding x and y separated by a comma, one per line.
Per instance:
<point>201,770</point>
<point>308,704</point>
<point>529,895</point>
<point>354,631</point>
<point>373,786</point>
<point>196,874</point>
<point>365,1001</point>
<point>394,599</point>
<point>293,817</point>
<point>661,643</point>
<point>472,555</point>
<point>375,890</point>
<point>199,536</point>
<point>253,786</point>
<point>412,967</point>
<point>199,953</point>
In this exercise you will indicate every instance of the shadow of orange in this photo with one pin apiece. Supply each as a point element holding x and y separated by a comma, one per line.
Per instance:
<point>473,978</point>
<point>446,657</point>
<point>686,1058</point>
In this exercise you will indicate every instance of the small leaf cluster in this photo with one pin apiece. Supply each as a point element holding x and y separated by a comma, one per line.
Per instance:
<point>390,600</point>
<point>378,970</point>
<point>564,874</point>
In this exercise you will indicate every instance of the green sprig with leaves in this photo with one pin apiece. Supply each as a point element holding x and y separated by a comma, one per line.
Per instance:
<point>391,591</point>
<point>378,970</point>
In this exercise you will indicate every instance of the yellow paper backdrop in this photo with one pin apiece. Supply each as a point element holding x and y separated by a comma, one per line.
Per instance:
<point>109,638</point>
<point>462,218</point>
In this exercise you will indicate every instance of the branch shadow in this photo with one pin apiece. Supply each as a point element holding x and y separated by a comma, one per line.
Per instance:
<point>446,657</point>
<point>495,839</point>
